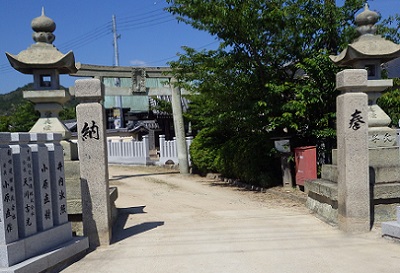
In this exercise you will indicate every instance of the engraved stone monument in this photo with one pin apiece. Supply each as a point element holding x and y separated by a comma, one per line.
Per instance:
<point>35,234</point>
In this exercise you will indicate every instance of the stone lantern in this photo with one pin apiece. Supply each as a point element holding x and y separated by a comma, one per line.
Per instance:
<point>45,63</point>
<point>369,51</point>
<point>362,185</point>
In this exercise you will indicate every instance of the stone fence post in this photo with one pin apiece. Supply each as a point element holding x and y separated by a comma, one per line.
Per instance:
<point>353,157</point>
<point>92,146</point>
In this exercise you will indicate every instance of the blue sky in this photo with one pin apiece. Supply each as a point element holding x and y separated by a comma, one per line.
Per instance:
<point>149,35</point>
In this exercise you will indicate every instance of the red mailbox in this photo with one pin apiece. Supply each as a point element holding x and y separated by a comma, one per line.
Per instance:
<point>306,164</point>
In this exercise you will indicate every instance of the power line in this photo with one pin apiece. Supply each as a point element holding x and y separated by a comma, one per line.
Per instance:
<point>103,30</point>
<point>174,57</point>
<point>104,27</point>
<point>86,38</point>
<point>146,19</point>
<point>147,24</point>
<point>128,19</point>
<point>133,22</point>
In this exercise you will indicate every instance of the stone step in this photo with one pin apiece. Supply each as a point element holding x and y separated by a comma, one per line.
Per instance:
<point>392,228</point>
<point>378,174</point>
<point>321,187</point>
<point>379,157</point>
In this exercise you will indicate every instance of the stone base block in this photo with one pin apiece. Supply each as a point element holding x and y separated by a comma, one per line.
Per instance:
<point>378,174</point>
<point>50,259</point>
<point>38,243</point>
<point>390,191</point>
<point>70,150</point>
<point>34,245</point>
<point>52,124</point>
<point>382,156</point>
<point>73,186</point>
<point>329,172</point>
<point>76,223</point>
<point>391,229</point>
<point>324,210</point>
<point>381,136</point>
<point>323,188</point>
<point>322,200</point>
<point>75,211</point>
<point>385,211</point>
<point>385,174</point>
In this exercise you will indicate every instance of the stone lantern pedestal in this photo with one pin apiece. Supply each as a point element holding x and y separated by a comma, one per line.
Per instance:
<point>49,103</point>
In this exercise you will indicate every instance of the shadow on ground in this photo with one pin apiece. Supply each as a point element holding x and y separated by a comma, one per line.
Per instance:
<point>120,177</point>
<point>120,232</point>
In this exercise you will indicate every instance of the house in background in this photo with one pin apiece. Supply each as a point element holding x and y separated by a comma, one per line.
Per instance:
<point>392,68</point>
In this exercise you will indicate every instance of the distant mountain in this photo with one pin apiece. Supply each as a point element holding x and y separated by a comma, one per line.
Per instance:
<point>9,100</point>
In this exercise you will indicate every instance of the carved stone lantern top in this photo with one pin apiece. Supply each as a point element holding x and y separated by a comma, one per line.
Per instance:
<point>43,54</point>
<point>368,48</point>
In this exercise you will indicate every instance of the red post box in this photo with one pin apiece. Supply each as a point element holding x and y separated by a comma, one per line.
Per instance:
<point>306,164</point>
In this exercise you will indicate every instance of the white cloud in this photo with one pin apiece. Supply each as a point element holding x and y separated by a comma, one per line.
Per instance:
<point>138,63</point>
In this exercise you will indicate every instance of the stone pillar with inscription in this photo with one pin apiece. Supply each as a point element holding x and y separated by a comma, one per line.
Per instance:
<point>42,185</point>
<point>8,203</point>
<point>92,145</point>
<point>56,168</point>
<point>24,186</point>
<point>352,153</point>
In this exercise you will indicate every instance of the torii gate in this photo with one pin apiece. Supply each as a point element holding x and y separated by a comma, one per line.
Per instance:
<point>138,76</point>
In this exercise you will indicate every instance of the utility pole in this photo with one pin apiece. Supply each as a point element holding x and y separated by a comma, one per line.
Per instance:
<point>118,99</point>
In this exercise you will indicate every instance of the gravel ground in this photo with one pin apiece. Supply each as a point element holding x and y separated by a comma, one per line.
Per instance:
<point>185,223</point>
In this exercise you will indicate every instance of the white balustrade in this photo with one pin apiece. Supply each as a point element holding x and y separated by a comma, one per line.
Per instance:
<point>128,151</point>
<point>169,149</point>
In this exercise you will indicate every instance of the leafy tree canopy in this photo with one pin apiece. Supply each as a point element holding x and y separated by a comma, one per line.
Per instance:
<point>23,118</point>
<point>270,76</point>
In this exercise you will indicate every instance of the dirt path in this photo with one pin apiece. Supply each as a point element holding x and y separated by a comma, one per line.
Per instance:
<point>175,223</point>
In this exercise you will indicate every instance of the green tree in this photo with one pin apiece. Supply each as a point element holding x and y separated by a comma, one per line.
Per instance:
<point>24,117</point>
<point>269,77</point>
<point>69,109</point>
<point>162,105</point>
<point>68,112</point>
<point>390,103</point>
<point>4,123</point>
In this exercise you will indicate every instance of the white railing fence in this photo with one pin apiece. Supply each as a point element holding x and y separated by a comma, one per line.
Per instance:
<point>169,150</point>
<point>130,151</point>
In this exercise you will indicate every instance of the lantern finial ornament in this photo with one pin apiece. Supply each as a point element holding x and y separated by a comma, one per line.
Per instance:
<point>43,28</point>
<point>366,21</point>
